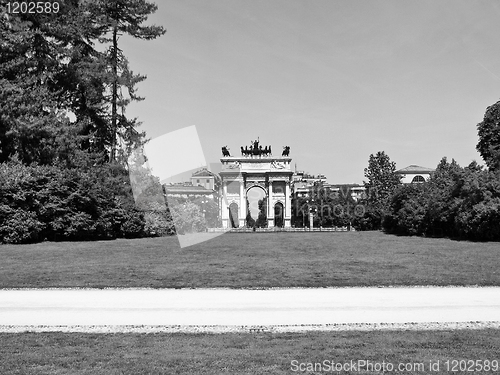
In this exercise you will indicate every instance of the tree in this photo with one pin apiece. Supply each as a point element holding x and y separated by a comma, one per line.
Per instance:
<point>209,208</point>
<point>456,202</point>
<point>32,51</point>
<point>298,210</point>
<point>342,206</point>
<point>407,211</point>
<point>261,221</point>
<point>53,203</point>
<point>250,221</point>
<point>114,18</point>
<point>489,137</point>
<point>382,179</point>
<point>444,198</point>
<point>188,218</point>
<point>381,184</point>
<point>478,214</point>
<point>49,67</point>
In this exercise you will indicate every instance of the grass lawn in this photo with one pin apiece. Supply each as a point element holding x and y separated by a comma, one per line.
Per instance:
<point>60,353</point>
<point>253,260</point>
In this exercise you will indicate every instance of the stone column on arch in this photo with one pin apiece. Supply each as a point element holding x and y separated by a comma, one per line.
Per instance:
<point>288,205</point>
<point>243,204</point>
<point>224,206</point>
<point>270,206</point>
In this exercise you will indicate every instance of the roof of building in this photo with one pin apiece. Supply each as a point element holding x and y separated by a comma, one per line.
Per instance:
<point>415,169</point>
<point>203,173</point>
<point>187,189</point>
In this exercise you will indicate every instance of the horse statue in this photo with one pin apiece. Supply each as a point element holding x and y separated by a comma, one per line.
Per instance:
<point>286,151</point>
<point>245,151</point>
<point>255,147</point>
<point>225,151</point>
<point>266,151</point>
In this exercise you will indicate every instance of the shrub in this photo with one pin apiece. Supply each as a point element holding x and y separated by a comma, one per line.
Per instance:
<point>158,223</point>
<point>188,218</point>
<point>371,220</point>
<point>481,222</point>
<point>456,202</point>
<point>406,214</point>
<point>133,226</point>
<point>19,226</point>
<point>54,203</point>
<point>478,216</point>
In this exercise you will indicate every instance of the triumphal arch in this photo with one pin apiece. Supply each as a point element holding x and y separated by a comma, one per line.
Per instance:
<point>256,168</point>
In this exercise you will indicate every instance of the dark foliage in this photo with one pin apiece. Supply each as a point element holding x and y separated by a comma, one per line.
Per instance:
<point>381,184</point>
<point>456,202</point>
<point>49,203</point>
<point>330,208</point>
<point>489,137</point>
<point>62,174</point>
<point>261,221</point>
<point>407,211</point>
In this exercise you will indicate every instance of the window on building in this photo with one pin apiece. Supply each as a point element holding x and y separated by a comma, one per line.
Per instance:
<point>208,181</point>
<point>418,179</point>
<point>197,181</point>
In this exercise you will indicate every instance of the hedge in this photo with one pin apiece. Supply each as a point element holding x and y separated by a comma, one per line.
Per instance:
<point>51,203</point>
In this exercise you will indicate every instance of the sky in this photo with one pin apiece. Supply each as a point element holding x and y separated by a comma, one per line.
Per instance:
<point>334,80</point>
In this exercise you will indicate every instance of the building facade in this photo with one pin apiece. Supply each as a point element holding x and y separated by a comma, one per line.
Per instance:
<point>204,178</point>
<point>415,174</point>
<point>272,175</point>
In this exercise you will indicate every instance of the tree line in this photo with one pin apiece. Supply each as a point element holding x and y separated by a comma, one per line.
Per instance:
<point>65,84</point>
<point>456,202</point>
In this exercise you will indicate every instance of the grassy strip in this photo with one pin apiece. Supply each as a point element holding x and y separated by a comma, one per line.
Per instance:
<point>61,353</point>
<point>253,260</point>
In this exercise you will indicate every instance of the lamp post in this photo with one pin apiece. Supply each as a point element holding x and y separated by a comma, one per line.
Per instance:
<point>311,211</point>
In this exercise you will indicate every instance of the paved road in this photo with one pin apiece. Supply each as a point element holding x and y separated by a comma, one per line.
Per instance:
<point>247,307</point>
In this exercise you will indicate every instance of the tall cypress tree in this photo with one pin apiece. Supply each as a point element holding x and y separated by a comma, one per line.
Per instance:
<point>50,67</point>
<point>114,18</point>
<point>30,53</point>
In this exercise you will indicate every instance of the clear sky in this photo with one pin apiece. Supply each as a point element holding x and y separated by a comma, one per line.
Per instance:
<point>335,80</point>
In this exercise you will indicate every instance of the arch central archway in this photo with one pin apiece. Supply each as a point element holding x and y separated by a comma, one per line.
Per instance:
<point>256,207</point>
